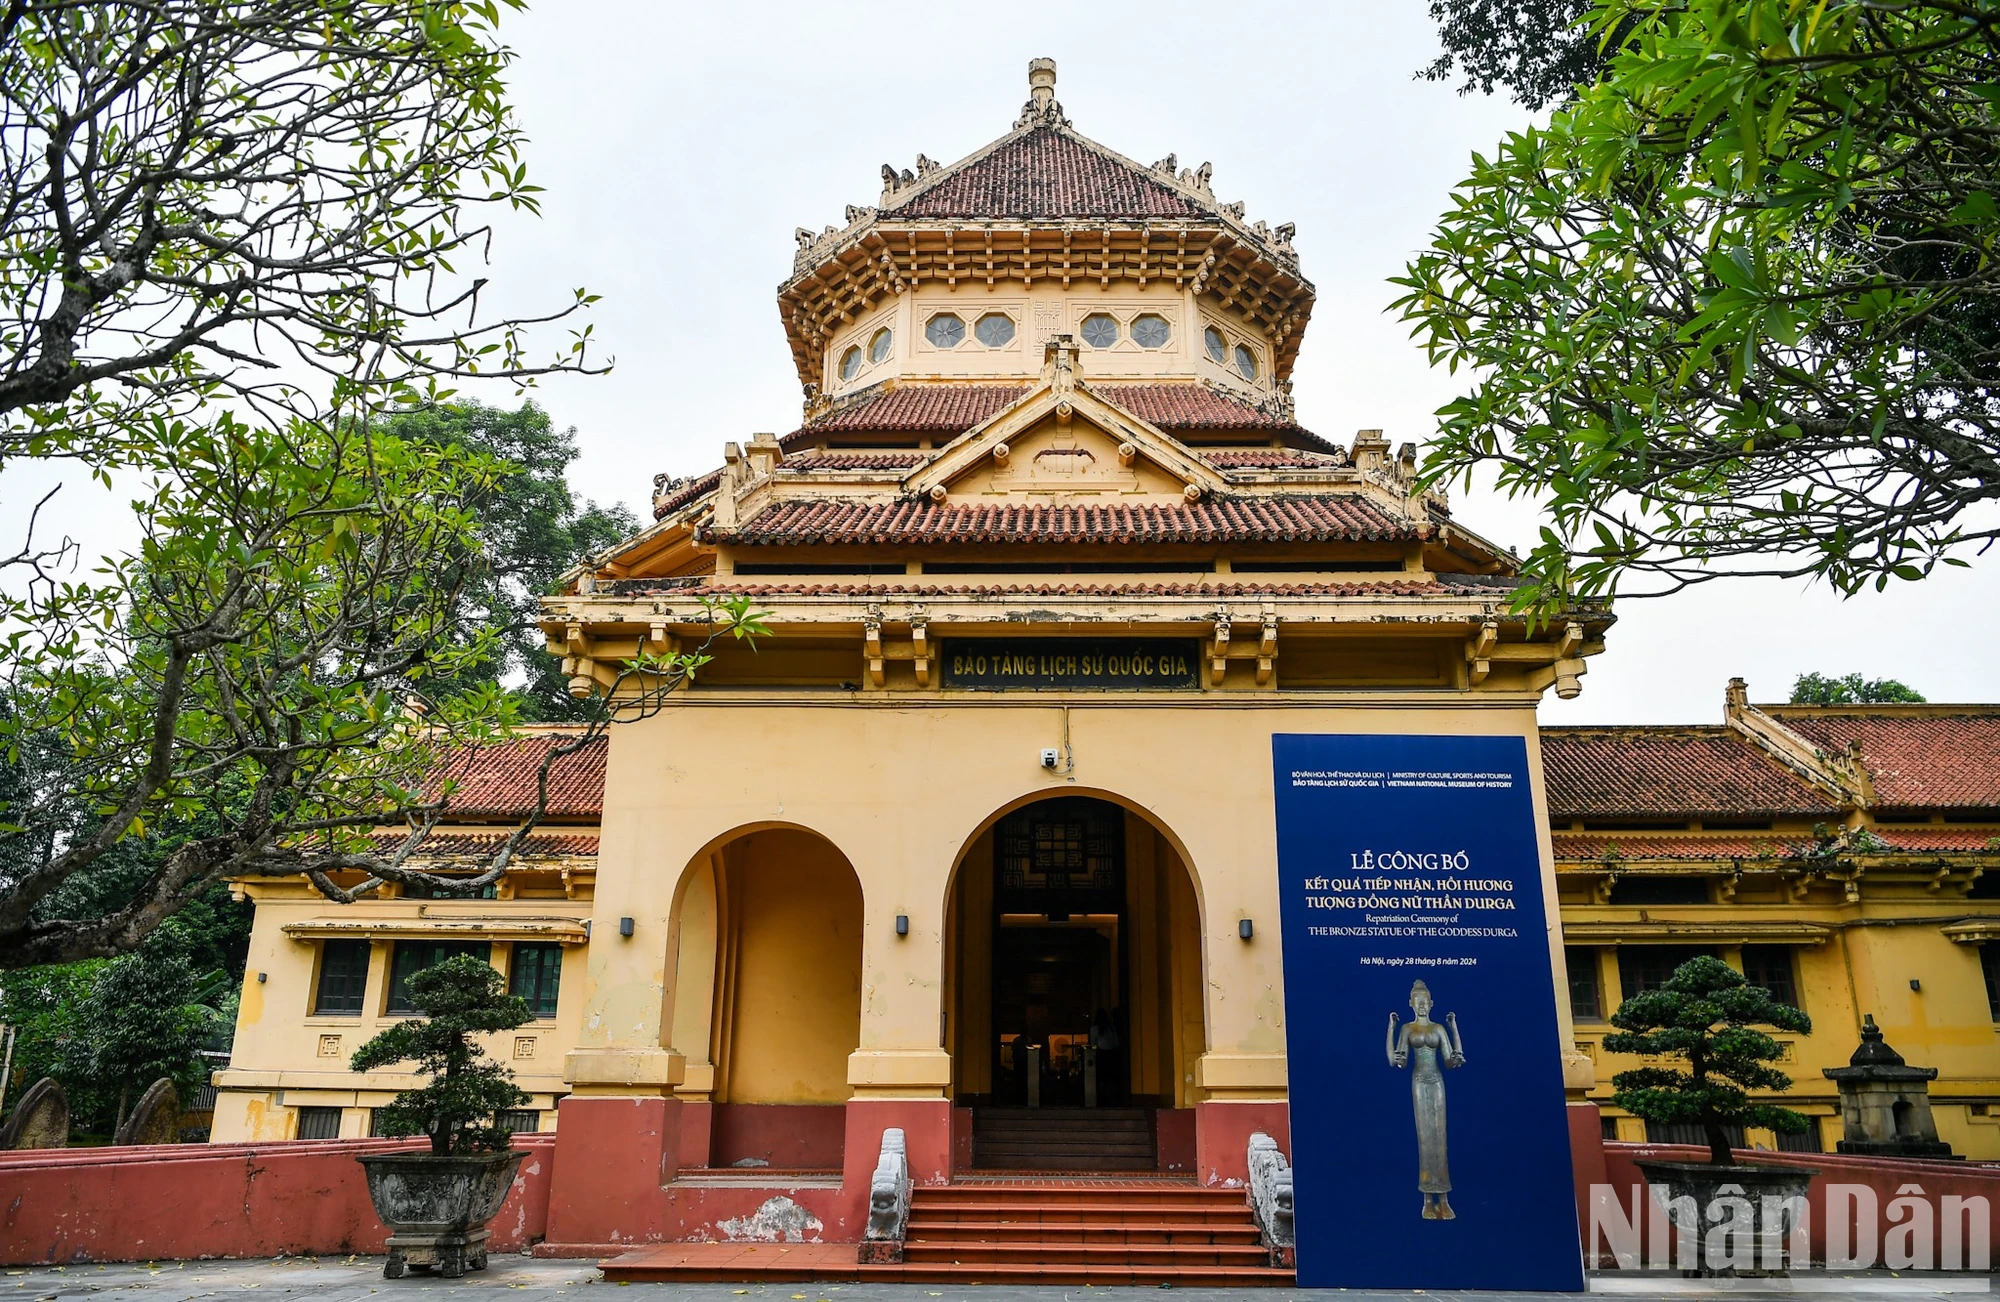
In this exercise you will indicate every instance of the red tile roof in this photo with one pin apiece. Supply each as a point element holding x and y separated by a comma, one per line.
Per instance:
<point>922,408</point>
<point>1593,847</point>
<point>842,460</point>
<point>691,491</point>
<point>1188,406</point>
<point>1047,173</point>
<point>499,781</point>
<point>540,844</point>
<point>1321,518</point>
<point>756,587</point>
<point>1939,840</point>
<point>1652,772</point>
<point>1271,459</point>
<point>1920,761</point>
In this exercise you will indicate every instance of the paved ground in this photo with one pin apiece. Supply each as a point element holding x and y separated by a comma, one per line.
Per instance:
<point>518,1279</point>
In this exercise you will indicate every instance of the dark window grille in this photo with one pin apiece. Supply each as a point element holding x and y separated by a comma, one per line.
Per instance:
<point>1689,1132</point>
<point>1586,1001</point>
<point>1062,855</point>
<point>425,891</point>
<point>1608,1127</point>
<point>522,1121</point>
<point>1989,961</point>
<point>1806,1141</point>
<point>1659,890</point>
<point>319,1123</point>
<point>1770,966</point>
<point>1647,967</point>
<point>413,956</point>
<point>535,975</point>
<point>343,978</point>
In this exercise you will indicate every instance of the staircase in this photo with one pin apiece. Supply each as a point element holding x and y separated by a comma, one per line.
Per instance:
<point>1062,1139</point>
<point>1085,1232</point>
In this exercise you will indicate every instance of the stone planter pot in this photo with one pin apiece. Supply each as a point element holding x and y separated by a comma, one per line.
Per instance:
<point>436,1208</point>
<point>1753,1207</point>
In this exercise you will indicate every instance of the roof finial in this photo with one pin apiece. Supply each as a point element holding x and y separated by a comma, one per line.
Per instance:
<point>1041,82</point>
<point>1041,110</point>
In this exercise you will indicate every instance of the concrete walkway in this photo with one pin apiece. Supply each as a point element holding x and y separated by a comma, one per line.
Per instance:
<point>521,1279</point>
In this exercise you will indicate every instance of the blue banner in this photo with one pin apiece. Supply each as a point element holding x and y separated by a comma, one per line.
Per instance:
<point>1430,1147</point>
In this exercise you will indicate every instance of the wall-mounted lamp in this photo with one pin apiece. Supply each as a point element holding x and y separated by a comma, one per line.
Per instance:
<point>1916,984</point>
<point>586,929</point>
<point>902,924</point>
<point>262,977</point>
<point>1244,929</point>
<point>625,927</point>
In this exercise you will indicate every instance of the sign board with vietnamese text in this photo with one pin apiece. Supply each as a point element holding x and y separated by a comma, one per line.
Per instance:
<point>1047,663</point>
<point>1429,1134</point>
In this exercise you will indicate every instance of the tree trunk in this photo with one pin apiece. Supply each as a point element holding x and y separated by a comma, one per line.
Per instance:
<point>1718,1142</point>
<point>124,1089</point>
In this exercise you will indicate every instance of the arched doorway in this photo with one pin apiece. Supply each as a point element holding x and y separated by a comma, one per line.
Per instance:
<point>1074,1009</point>
<point>767,1006</point>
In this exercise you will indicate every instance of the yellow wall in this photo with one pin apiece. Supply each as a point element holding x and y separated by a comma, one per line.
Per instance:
<point>285,1057</point>
<point>901,793</point>
<point>796,1004</point>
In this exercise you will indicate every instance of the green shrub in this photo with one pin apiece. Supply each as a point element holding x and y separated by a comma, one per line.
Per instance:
<point>460,997</point>
<point>1706,1015</point>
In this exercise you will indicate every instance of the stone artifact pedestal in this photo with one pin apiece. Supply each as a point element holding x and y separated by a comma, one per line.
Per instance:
<point>155,1119</point>
<point>1885,1104</point>
<point>437,1208</point>
<point>40,1120</point>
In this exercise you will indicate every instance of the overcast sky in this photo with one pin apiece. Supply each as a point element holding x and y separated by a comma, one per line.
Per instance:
<point>681,144</point>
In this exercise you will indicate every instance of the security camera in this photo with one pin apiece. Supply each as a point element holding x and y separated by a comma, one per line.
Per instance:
<point>1050,757</point>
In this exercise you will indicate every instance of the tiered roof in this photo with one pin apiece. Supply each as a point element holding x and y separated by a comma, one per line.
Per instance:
<point>1049,203</point>
<point>1782,783</point>
<point>1045,172</point>
<point>1651,773</point>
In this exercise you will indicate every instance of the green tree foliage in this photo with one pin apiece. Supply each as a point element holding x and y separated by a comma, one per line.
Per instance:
<point>139,1020</point>
<point>267,205</point>
<point>460,997</point>
<point>1535,48</point>
<point>1735,310</point>
<point>1852,689</point>
<point>531,529</point>
<point>242,241</point>
<point>1707,1016</point>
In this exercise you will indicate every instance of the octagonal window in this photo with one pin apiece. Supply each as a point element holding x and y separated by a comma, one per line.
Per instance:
<point>1100,330</point>
<point>1217,346</point>
<point>995,329</point>
<point>945,331</point>
<point>850,363</point>
<point>878,347</point>
<point>1246,362</point>
<point>1150,331</point>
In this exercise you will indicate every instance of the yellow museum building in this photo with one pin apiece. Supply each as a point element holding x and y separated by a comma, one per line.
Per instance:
<point>979,842</point>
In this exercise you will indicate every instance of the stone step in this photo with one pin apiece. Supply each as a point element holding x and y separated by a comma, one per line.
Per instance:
<point>1128,1255</point>
<point>934,1230</point>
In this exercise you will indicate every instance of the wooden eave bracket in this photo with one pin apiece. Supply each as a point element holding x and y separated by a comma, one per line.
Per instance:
<point>872,647</point>
<point>1267,645</point>
<point>1479,651</point>
<point>920,645</point>
<point>1264,650</point>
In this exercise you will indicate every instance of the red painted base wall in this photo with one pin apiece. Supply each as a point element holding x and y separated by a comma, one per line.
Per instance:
<point>1884,1176</point>
<point>607,1178</point>
<point>187,1201</point>
<point>789,1137</point>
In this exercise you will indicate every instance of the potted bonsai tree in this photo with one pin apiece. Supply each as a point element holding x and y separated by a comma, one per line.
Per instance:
<point>1706,1015</point>
<point>437,1204</point>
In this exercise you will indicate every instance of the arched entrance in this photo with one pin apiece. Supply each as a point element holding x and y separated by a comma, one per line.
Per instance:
<point>767,979</point>
<point>1073,1008</point>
